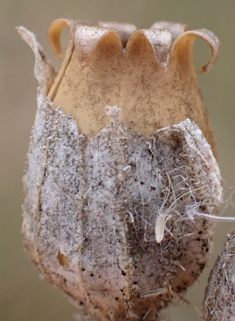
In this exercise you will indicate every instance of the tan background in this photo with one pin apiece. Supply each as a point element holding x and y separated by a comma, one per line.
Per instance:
<point>23,296</point>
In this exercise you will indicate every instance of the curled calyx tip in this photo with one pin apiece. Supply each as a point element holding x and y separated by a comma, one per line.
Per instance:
<point>54,33</point>
<point>170,44</point>
<point>184,44</point>
<point>149,73</point>
<point>164,39</point>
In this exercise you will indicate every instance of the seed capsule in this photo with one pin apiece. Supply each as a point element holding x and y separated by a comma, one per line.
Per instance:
<point>115,195</point>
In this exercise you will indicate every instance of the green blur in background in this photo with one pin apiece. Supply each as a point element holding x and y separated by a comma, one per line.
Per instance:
<point>23,295</point>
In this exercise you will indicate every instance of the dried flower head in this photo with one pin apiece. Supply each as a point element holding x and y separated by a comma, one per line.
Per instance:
<point>117,198</point>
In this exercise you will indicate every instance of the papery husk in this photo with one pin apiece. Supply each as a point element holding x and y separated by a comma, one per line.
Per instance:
<point>93,201</point>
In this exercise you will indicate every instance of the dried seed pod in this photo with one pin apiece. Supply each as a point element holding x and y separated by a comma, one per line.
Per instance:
<point>220,293</point>
<point>115,197</point>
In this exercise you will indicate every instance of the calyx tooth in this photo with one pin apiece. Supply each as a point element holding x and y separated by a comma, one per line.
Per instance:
<point>160,41</point>
<point>87,38</point>
<point>183,46</point>
<point>176,29</point>
<point>54,33</point>
<point>123,29</point>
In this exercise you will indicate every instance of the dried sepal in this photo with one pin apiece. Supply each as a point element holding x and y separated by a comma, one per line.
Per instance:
<point>220,293</point>
<point>43,70</point>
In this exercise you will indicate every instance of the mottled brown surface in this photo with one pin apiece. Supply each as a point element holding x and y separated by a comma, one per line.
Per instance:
<point>23,295</point>
<point>96,199</point>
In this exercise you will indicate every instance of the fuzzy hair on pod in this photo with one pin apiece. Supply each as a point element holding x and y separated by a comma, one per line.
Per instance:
<point>92,204</point>
<point>113,216</point>
<point>219,302</point>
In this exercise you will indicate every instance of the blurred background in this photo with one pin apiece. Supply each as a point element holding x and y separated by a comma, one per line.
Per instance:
<point>23,295</point>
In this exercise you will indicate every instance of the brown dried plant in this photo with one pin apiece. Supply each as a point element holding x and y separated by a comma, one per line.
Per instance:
<point>121,182</point>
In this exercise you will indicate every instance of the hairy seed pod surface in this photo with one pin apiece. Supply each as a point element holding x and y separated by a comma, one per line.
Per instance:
<point>115,196</point>
<point>219,303</point>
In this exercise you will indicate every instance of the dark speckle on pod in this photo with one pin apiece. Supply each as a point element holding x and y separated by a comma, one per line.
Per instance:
<point>96,225</point>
